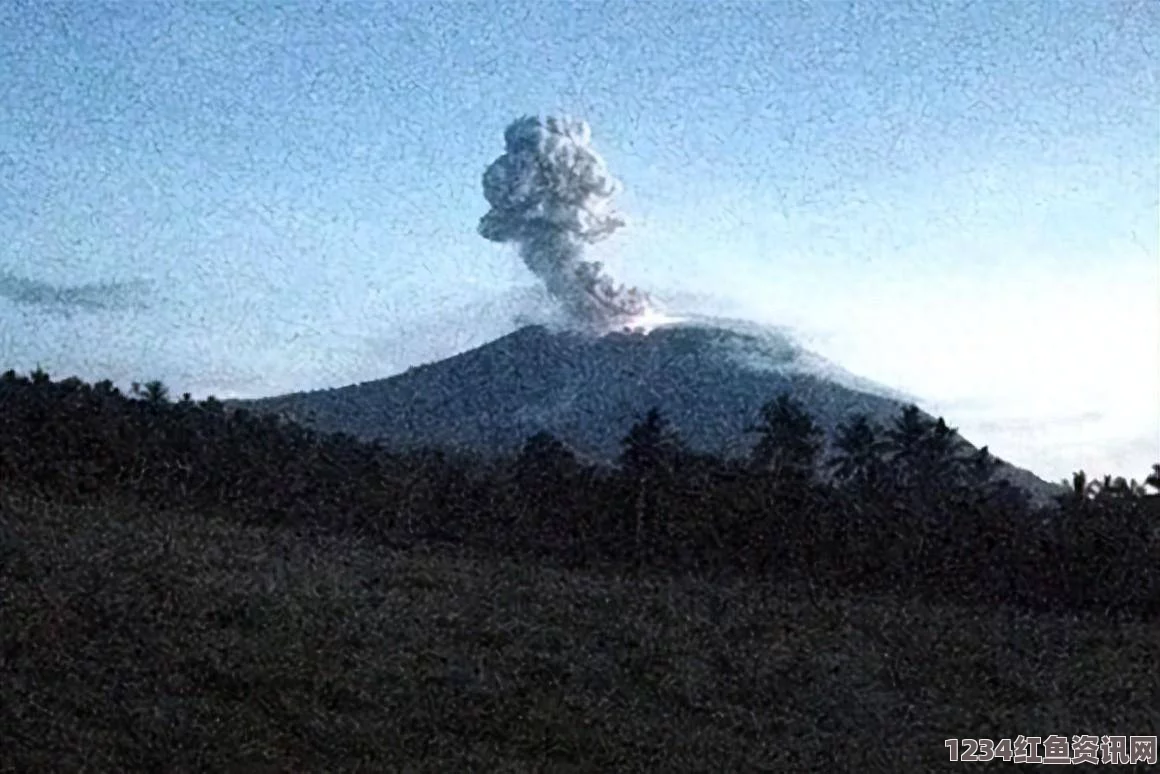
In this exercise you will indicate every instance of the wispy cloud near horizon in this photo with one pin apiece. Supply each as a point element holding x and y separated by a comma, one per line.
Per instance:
<point>89,296</point>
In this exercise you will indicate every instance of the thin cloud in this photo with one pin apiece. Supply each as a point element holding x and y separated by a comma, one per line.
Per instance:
<point>91,296</point>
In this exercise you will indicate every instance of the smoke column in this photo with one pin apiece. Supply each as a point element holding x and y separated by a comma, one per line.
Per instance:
<point>551,194</point>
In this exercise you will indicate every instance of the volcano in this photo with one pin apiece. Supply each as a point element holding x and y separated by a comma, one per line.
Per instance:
<point>708,376</point>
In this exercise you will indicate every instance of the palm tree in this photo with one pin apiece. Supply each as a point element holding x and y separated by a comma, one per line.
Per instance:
<point>1100,487</point>
<point>155,392</point>
<point>905,439</point>
<point>1116,488</point>
<point>790,441</point>
<point>926,461</point>
<point>859,462</point>
<point>1079,488</point>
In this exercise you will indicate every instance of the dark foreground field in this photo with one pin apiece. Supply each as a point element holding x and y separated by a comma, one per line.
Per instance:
<point>136,641</point>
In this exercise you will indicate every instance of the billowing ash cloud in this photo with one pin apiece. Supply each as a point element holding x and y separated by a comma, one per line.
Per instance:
<point>551,194</point>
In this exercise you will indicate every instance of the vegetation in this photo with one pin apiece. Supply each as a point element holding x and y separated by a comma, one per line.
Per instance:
<point>140,641</point>
<point>187,587</point>
<point>905,507</point>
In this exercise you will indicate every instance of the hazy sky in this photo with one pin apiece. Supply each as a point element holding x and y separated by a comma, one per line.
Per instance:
<point>956,199</point>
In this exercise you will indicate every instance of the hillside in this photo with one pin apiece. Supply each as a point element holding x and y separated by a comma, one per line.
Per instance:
<point>709,377</point>
<point>142,640</point>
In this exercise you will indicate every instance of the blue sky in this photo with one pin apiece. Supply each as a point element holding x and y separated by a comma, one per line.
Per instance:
<point>956,199</point>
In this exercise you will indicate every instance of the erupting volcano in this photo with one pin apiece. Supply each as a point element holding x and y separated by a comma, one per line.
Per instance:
<point>619,355</point>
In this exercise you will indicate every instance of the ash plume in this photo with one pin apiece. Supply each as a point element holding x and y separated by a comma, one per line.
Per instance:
<point>551,194</point>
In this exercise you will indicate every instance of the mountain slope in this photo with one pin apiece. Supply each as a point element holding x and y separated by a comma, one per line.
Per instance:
<point>708,376</point>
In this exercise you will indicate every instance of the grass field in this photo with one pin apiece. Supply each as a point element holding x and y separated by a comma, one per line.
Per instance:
<point>137,641</point>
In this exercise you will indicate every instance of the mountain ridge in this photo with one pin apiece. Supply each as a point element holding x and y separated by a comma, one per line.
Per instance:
<point>708,376</point>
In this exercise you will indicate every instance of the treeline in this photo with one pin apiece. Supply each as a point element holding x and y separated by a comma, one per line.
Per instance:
<point>908,508</point>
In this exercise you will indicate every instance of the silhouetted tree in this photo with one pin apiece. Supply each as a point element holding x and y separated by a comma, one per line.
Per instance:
<point>790,442</point>
<point>106,389</point>
<point>1153,479</point>
<point>905,440</point>
<point>940,452</point>
<point>650,452</point>
<point>1079,489</point>
<point>544,457</point>
<point>926,462</point>
<point>1096,550</point>
<point>978,468</point>
<point>859,461</point>
<point>1118,488</point>
<point>543,474</point>
<point>786,525</point>
<point>213,406</point>
<point>650,447</point>
<point>155,392</point>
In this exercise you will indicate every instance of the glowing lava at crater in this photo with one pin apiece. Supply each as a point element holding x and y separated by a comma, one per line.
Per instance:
<point>649,320</point>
